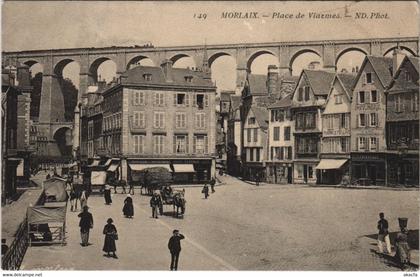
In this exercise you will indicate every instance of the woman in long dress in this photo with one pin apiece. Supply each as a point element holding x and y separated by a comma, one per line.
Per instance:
<point>128,208</point>
<point>110,232</point>
<point>402,248</point>
<point>107,194</point>
<point>83,199</point>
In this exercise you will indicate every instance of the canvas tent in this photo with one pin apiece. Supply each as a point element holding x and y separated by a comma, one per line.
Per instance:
<point>47,219</point>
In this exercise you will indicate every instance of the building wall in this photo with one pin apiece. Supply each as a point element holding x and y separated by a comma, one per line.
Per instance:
<point>287,122</point>
<point>23,125</point>
<point>368,108</point>
<point>261,141</point>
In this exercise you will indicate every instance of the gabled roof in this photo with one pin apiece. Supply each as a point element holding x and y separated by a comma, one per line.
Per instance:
<point>398,84</point>
<point>415,62</point>
<point>283,103</point>
<point>261,116</point>
<point>383,68</point>
<point>136,76</point>
<point>347,81</point>
<point>319,80</point>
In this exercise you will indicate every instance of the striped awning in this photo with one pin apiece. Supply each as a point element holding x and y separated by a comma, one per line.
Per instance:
<point>330,164</point>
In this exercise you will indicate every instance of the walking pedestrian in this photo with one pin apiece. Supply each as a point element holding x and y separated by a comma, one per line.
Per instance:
<point>85,224</point>
<point>212,183</point>
<point>155,203</point>
<point>111,235</point>
<point>401,244</point>
<point>123,183</point>
<point>205,191</point>
<point>383,235</point>
<point>83,199</point>
<point>107,194</point>
<point>131,188</point>
<point>73,199</point>
<point>128,208</point>
<point>174,246</point>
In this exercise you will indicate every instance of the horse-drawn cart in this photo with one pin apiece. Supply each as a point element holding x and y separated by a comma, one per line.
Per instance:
<point>174,198</point>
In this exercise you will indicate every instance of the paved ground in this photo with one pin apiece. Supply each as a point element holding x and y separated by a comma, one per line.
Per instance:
<point>241,227</point>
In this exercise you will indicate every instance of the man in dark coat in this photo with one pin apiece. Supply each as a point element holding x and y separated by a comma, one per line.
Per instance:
<point>205,190</point>
<point>174,246</point>
<point>85,224</point>
<point>155,203</point>
<point>212,183</point>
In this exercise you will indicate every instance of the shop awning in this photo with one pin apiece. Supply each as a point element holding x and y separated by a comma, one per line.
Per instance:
<point>108,162</point>
<point>139,167</point>
<point>185,168</point>
<point>330,164</point>
<point>113,167</point>
<point>94,163</point>
<point>98,177</point>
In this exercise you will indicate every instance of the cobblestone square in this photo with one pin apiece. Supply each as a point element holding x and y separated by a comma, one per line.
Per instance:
<point>240,227</point>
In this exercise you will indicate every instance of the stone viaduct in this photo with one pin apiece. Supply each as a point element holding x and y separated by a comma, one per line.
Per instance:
<point>53,62</point>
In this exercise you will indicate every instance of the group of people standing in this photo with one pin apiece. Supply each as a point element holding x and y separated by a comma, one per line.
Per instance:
<point>402,248</point>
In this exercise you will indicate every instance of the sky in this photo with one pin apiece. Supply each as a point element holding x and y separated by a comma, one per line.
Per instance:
<point>49,25</point>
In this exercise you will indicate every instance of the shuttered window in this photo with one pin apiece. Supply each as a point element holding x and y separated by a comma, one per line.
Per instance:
<point>138,144</point>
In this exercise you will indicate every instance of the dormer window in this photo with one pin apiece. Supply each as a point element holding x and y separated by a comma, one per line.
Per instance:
<point>251,120</point>
<point>407,76</point>
<point>147,77</point>
<point>188,78</point>
<point>369,78</point>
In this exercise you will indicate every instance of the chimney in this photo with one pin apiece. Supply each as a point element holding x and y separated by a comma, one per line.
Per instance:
<point>23,75</point>
<point>167,69</point>
<point>397,58</point>
<point>272,79</point>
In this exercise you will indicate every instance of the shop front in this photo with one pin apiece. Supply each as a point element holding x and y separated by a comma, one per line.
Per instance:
<point>403,169</point>
<point>280,173</point>
<point>254,171</point>
<point>332,171</point>
<point>304,172</point>
<point>368,169</point>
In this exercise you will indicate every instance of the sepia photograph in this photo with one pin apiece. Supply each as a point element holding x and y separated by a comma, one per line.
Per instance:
<point>210,136</point>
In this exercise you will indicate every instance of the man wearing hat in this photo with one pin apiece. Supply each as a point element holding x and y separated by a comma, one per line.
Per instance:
<point>85,224</point>
<point>155,203</point>
<point>383,235</point>
<point>174,246</point>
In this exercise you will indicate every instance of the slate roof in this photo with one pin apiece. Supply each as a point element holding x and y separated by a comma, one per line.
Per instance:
<point>261,115</point>
<point>415,61</point>
<point>283,103</point>
<point>383,68</point>
<point>319,80</point>
<point>347,80</point>
<point>399,84</point>
<point>136,76</point>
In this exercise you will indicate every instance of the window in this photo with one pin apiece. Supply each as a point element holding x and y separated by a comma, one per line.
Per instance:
<point>188,78</point>
<point>273,115</point>
<point>415,102</point>
<point>180,120</point>
<point>362,144</point>
<point>181,99</point>
<point>159,120</point>
<point>362,120</point>
<point>373,144</point>
<point>310,172</point>
<point>159,99</point>
<point>369,78</point>
<point>138,119</point>
<point>147,77</point>
<point>343,121</point>
<point>300,94</point>
<point>158,142</point>
<point>249,135</point>
<point>287,133</point>
<point>200,144</point>
<point>361,97</point>
<point>399,103</point>
<point>407,76</point>
<point>200,101</point>
<point>255,135</point>
<point>307,93</point>
<point>338,99</point>
<point>276,133</point>
<point>139,98</point>
<point>373,120</point>
<point>138,144</point>
<point>200,120</point>
<point>251,121</point>
<point>345,146</point>
<point>181,144</point>
<point>251,154</point>
<point>373,96</point>
<point>289,153</point>
<point>300,171</point>
<point>257,154</point>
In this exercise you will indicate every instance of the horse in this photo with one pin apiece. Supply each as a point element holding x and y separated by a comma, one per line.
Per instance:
<point>179,202</point>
